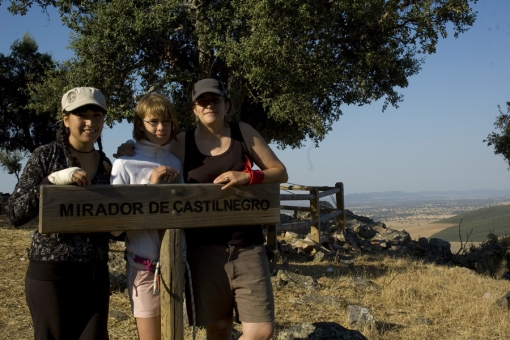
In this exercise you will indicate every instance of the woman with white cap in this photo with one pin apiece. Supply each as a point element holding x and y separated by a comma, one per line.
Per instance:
<point>67,284</point>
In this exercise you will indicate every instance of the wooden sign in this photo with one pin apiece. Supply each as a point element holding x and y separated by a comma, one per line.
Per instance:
<point>99,208</point>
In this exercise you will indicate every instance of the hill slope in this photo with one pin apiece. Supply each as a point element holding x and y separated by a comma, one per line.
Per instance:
<point>482,221</point>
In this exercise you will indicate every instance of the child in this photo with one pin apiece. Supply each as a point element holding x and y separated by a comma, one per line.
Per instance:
<point>154,128</point>
<point>67,285</point>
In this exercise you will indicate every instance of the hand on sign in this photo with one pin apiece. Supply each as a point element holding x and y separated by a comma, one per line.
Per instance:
<point>232,178</point>
<point>80,178</point>
<point>164,175</point>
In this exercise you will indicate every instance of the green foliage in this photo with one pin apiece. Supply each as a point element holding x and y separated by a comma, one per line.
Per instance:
<point>501,140</point>
<point>493,220</point>
<point>498,247</point>
<point>289,65</point>
<point>11,162</point>
<point>21,127</point>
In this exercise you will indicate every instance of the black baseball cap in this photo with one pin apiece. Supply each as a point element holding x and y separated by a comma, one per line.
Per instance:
<point>208,85</point>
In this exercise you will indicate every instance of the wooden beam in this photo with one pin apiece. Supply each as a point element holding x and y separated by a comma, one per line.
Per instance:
<point>315,215</point>
<point>294,207</point>
<point>296,197</point>
<point>325,218</point>
<point>301,224</point>
<point>329,192</point>
<point>340,205</point>
<point>172,285</point>
<point>99,208</point>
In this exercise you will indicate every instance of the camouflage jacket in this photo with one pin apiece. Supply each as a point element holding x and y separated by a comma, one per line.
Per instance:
<point>23,206</point>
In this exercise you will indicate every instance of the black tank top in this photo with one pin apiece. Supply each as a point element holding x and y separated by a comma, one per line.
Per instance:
<point>199,168</point>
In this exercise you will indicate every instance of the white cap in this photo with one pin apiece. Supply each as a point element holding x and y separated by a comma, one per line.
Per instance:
<point>81,96</point>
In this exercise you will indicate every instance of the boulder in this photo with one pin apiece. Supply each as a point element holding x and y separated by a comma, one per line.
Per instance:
<point>319,331</point>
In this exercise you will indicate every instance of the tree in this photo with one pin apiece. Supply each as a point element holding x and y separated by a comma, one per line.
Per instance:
<point>11,162</point>
<point>501,140</point>
<point>21,128</point>
<point>289,65</point>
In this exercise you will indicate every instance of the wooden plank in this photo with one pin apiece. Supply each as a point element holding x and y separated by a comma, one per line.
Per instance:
<point>294,207</point>
<point>325,218</point>
<point>271,237</point>
<point>340,205</point>
<point>172,285</point>
<point>329,192</point>
<point>301,224</point>
<point>295,187</point>
<point>315,214</point>
<point>296,197</point>
<point>99,208</point>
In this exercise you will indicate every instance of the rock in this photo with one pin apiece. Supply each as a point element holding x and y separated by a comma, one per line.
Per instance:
<point>487,296</point>
<point>319,331</point>
<point>365,231</point>
<point>504,301</point>
<point>396,237</point>
<point>290,236</point>
<point>379,227</point>
<point>285,277</point>
<point>440,249</point>
<point>333,301</point>
<point>306,244</point>
<point>339,236</point>
<point>360,315</point>
<point>319,256</point>
<point>118,315</point>
<point>362,283</point>
<point>425,321</point>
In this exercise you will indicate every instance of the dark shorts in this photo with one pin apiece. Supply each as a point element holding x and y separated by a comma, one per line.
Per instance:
<point>69,308</point>
<point>227,279</point>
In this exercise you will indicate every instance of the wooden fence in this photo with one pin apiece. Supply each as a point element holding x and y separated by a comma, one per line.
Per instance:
<point>318,214</point>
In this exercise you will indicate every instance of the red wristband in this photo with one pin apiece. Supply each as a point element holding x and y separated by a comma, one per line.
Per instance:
<point>256,176</point>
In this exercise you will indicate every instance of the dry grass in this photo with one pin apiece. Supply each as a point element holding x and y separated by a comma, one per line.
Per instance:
<point>410,300</point>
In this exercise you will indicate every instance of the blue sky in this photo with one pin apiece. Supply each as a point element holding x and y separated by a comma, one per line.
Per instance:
<point>432,142</point>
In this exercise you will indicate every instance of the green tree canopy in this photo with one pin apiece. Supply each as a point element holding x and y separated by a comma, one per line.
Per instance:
<point>21,128</point>
<point>289,64</point>
<point>501,138</point>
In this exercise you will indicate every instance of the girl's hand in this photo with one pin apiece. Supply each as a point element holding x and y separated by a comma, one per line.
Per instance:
<point>80,178</point>
<point>164,175</point>
<point>232,178</point>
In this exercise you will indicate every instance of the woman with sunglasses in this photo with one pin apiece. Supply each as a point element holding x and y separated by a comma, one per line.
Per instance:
<point>229,266</point>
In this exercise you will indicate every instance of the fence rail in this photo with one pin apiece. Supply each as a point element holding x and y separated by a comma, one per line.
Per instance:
<point>318,214</point>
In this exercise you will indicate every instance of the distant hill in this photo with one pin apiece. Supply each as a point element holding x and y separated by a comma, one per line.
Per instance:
<point>422,195</point>
<point>482,221</point>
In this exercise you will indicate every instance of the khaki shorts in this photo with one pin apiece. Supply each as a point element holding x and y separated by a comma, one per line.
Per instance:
<point>140,284</point>
<point>227,279</point>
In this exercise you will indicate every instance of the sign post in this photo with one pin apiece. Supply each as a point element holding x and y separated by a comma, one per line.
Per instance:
<point>102,208</point>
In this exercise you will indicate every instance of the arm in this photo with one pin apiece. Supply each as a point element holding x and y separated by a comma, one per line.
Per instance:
<point>263,155</point>
<point>272,168</point>
<point>125,149</point>
<point>23,205</point>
